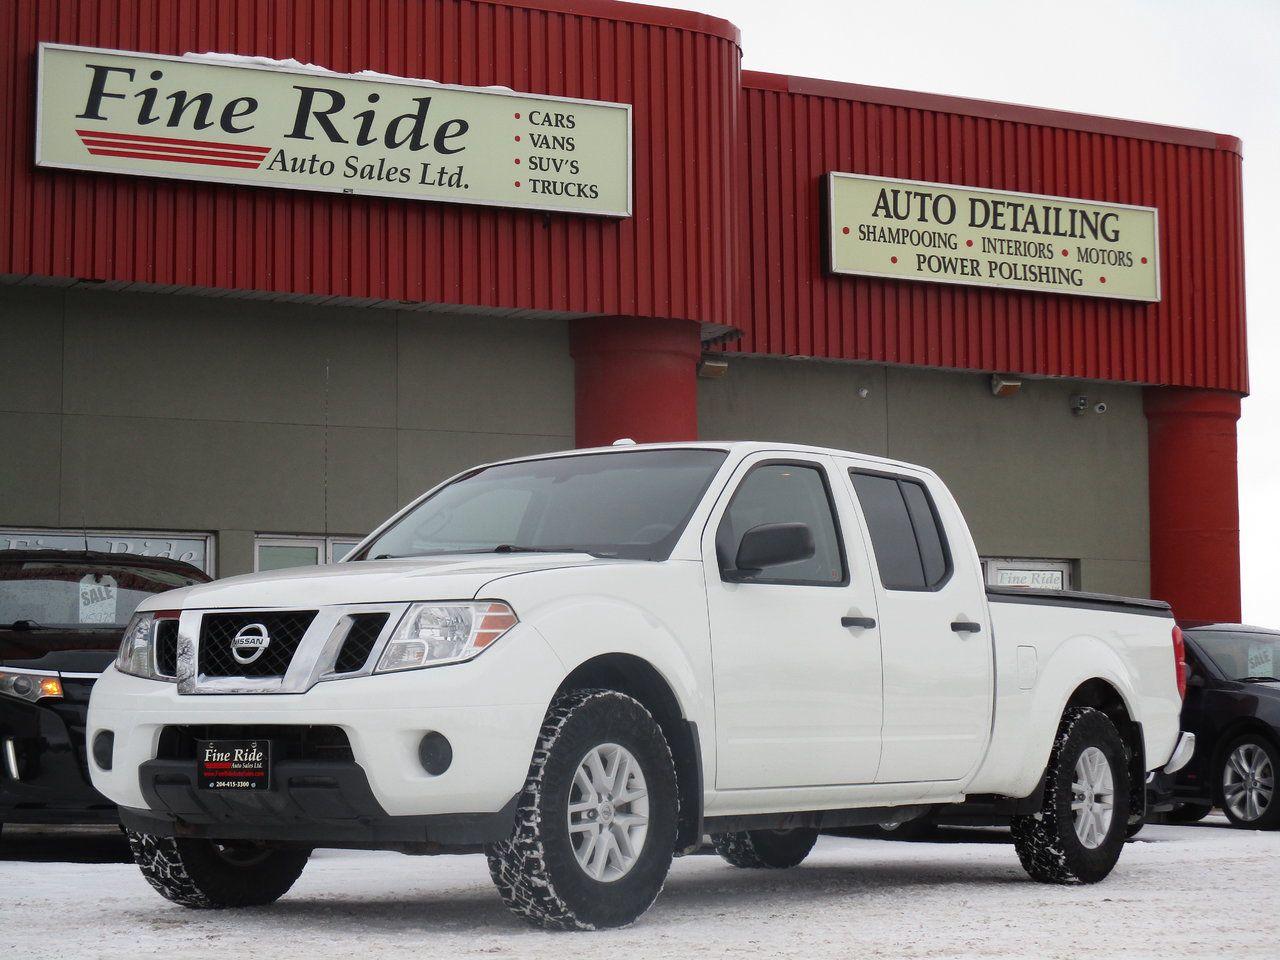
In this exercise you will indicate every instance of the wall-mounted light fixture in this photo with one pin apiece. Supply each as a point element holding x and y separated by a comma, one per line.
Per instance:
<point>712,367</point>
<point>1003,385</point>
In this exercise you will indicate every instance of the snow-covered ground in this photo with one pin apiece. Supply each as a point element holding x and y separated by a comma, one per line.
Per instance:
<point>1201,891</point>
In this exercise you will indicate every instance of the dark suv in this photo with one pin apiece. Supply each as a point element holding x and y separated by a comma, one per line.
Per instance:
<point>61,618</point>
<point>1233,708</point>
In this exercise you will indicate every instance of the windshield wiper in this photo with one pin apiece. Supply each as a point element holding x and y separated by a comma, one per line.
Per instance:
<point>1259,680</point>
<point>516,548</point>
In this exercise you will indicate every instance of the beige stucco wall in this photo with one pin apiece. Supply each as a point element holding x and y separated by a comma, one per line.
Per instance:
<point>232,416</point>
<point>185,413</point>
<point>1033,479</point>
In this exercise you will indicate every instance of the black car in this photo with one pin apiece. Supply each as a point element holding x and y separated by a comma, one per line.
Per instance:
<point>1233,708</point>
<point>61,618</point>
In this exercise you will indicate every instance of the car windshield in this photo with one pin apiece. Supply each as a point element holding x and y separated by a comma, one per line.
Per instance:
<point>1242,656</point>
<point>632,505</point>
<point>54,593</point>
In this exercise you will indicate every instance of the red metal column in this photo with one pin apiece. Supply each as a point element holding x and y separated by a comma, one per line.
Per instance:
<point>1194,502</point>
<point>635,378</point>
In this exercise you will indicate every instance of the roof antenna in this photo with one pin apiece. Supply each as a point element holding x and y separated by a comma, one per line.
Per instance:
<point>624,442</point>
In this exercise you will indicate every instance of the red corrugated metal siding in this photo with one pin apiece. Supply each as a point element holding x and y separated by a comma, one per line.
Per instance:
<point>795,131</point>
<point>675,257</point>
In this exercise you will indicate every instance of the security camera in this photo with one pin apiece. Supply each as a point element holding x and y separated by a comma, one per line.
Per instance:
<point>1100,408</point>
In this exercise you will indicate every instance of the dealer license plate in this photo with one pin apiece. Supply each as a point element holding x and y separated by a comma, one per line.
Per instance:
<point>233,764</point>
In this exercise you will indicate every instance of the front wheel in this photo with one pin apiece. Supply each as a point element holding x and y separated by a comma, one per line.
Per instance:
<point>765,849</point>
<point>595,827</point>
<point>208,875</point>
<point>1248,784</point>
<point>1079,831</point>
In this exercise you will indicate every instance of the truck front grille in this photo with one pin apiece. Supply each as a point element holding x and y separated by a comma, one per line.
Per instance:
<point>283,630</point>
<point>167,648</point>
<point>364,633</point>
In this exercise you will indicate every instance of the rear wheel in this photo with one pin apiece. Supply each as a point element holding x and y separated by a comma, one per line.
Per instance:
<point>1078,834</point>
<point>765,849</point>
<point>596,823</point>
<point>1248,783</point>
<point>211,875</point>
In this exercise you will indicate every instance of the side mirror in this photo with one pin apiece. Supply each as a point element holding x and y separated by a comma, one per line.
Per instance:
<point>771,545</point>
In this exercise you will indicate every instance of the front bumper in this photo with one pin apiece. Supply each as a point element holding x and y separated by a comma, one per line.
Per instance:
<point>316,803</point>
<point>490,709</point>
<point>44,775</point>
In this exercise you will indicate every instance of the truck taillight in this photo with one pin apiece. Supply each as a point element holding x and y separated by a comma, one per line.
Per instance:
<point>1180,661</point>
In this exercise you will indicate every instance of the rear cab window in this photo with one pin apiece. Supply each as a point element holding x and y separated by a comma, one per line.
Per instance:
<point>907,536</point>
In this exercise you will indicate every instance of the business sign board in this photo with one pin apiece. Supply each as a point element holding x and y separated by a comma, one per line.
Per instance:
<point>189,548</point>
<point>937,232</point>
<point>281,124</point>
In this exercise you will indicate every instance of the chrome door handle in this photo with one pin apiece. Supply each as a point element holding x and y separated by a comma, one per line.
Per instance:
<point>966,626</point>
<point>862,623</point>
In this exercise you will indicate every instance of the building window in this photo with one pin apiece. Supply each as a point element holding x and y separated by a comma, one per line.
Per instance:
<point>1029,573</point>
<point>193,548</point>
<point>278,552</point>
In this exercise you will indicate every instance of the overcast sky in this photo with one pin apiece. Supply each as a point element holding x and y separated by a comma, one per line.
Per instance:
<point>1211,64</point>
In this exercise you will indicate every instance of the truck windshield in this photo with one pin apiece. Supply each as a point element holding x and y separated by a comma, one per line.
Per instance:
<point>632,505</point>
<point>1242,656</point>
<point>36,594</point>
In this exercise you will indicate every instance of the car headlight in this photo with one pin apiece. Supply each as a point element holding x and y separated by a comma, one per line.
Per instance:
<point>29,686</point>
<point>431,634</point>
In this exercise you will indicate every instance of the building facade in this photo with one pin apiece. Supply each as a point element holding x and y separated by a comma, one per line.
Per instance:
<point>200,361</point>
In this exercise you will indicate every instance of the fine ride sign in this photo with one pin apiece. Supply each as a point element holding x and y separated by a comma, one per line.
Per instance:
<point>938,232</point>
<point>274,124</point>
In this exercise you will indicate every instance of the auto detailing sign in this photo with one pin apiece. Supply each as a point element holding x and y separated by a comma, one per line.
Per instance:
<point>278,125</point>
<point>911,230</point>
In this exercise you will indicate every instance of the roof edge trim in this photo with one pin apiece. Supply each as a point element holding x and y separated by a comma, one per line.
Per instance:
<point>991,110</point>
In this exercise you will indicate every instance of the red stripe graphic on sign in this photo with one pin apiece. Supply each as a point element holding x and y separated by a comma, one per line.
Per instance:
<point>139,147</point>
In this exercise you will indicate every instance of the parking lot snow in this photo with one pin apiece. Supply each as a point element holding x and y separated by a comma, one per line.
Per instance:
<point>1194,891</point>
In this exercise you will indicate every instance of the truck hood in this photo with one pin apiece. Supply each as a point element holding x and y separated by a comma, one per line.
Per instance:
<point>365,581</point>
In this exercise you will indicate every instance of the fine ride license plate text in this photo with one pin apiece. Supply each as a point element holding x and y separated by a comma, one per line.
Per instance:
<point>233,764</point>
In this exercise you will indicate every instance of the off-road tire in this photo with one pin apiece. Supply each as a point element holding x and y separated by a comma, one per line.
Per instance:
<point>765,849</point>
<point>536,871</point>
<point>1270,819</point>
<point>200,875</point>
<point>1188,813</point>
<point>1046,841</point>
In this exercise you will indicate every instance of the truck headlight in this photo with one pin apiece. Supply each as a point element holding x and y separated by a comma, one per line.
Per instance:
<point>431,634</point>
<point>29,686</point>
<point>137,656</point>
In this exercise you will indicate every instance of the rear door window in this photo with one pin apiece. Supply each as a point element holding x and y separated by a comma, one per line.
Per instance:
<point>906,535</point>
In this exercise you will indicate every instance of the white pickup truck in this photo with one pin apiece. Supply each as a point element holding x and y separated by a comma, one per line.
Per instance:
<point>583,663</point>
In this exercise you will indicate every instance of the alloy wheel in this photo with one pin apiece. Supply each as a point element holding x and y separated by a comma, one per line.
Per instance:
<point>1093,797</point>
<point>608,812</point>
<point>1248,782</point>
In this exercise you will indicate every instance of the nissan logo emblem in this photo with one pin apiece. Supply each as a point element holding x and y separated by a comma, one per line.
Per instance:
<point>249,643</point>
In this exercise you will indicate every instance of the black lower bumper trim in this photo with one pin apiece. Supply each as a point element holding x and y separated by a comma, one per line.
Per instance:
<point>319,803</point>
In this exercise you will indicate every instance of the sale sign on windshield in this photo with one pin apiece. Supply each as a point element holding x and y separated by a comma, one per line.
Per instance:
<point>269,123</point>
